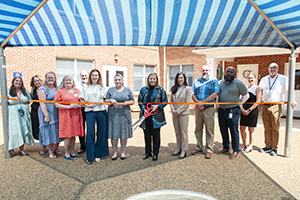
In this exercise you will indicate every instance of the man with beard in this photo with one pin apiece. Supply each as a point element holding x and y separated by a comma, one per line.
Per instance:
<point>274,88</point>
<point>205,89</point>
<point>229,114</point>
<point>84,74</point>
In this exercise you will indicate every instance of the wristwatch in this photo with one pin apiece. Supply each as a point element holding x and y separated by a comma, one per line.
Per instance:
<point>249,109</point>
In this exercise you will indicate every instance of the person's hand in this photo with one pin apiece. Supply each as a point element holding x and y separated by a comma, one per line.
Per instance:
<point>100,102</point>
<point>247,112</point>
<point>243,111</point>
<point>124,104</point>
<point>91,105</point>
<point>294,104</point>
<point>154,108</point>
<point>47,119</point>
<point>114,102</point>
<point>200,106</point>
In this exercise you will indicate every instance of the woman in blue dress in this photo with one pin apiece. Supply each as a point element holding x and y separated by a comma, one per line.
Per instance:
<point>48,116</point>
<point>19,124</point>
<point>119,116</point>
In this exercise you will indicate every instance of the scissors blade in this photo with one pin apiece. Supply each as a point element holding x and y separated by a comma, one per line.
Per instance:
<point>138,123</point>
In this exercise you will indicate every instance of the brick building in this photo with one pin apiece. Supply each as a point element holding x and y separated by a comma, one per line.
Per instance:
<point>135,63</point>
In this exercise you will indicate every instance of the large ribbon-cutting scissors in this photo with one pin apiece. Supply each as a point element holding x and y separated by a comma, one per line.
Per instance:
<point>147,114</point>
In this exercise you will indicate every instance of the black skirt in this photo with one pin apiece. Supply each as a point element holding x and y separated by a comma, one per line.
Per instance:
<point>251,119</point>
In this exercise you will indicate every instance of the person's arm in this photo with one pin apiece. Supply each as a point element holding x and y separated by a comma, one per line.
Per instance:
<point>244,98</point>
<point>188,98</point>
<point>42,96</point>
<point>164,98</point>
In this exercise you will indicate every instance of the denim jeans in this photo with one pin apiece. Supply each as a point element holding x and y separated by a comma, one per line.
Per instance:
<point>100,148</point>
<point>226,122</point>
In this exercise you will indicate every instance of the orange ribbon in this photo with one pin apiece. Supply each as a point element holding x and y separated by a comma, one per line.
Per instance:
<point>120,103</point>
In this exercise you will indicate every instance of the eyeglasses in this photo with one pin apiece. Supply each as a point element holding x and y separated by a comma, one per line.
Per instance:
<point>273,67</point>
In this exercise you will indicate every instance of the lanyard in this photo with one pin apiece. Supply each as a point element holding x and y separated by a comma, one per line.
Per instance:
<point>271,86</point>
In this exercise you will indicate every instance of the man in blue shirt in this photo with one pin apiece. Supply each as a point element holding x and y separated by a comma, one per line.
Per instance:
<point>205,89</point>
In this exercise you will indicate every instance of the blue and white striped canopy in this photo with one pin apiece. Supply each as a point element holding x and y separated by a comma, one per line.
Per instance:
<point>203,23</point>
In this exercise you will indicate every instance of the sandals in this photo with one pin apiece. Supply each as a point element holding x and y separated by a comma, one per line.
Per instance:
<point>13,153</point>
<point>249,149</point>
<point>57,152</point>
<point>52,155</point>
<point>23,153</point>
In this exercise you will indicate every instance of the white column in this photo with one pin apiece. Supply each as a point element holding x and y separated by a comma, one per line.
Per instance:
<point>212,62</point>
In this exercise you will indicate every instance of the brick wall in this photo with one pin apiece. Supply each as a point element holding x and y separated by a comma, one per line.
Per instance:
<point>39,60</point>
<point>263,63</point>
<point>180,55</point>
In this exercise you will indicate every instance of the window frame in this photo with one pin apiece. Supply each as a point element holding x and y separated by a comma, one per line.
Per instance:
<point>144,76</point>
<point>180,69</point>
<point>75,68</point>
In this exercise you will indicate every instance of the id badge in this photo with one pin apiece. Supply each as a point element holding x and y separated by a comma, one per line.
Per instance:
<point>230,115</point>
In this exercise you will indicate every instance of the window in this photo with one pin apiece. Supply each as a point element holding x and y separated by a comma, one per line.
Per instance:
<point>140,74</point>
<point>71,67</point>
<point>188,70</point>
<point>297,79</point>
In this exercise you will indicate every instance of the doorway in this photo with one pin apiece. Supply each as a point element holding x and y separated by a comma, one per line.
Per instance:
<point>109,71</point>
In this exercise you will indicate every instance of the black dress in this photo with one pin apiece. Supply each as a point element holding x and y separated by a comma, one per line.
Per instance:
<point>251,119</point>
<point>34,115</point>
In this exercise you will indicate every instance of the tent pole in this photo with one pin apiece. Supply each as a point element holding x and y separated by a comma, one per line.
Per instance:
<point>289,115</point>
<point>4,102</point>
<point>165,68</point>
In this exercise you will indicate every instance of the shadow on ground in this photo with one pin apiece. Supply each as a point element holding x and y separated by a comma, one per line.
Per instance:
<point>39,177</point>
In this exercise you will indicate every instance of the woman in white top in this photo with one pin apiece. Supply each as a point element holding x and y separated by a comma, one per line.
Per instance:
<point>249,113</point>
<point>93,91</point>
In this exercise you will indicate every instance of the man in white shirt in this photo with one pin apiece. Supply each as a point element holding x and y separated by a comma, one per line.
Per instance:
<point>274,89</point>
<point>84,75</point>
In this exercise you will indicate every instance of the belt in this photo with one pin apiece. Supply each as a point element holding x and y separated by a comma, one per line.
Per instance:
<point>229,108</point>
<point>270,104</point>
<point>210,106</point>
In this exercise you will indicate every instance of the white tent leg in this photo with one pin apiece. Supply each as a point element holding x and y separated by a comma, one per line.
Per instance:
<point>4,102</point>
<point>289,115</point>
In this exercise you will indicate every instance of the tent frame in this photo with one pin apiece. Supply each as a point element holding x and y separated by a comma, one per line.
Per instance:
<point>292,63</point>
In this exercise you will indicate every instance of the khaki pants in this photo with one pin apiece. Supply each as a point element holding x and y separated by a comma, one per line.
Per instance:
<point>206,117</point>
<point>181,129</point>
<point>271,119</point>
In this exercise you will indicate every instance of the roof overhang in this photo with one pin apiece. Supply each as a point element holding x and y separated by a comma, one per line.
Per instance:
<point>229,53</point>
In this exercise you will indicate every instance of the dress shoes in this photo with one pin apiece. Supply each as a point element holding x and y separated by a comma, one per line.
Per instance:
<point>196,151</point>
<point>234,155</point>
<point>176,154</point>
<point>147,156</point>
<point>182,157</point>
<point>154,157</point>
<point>208,155</point>
<point>224,151</point>
<point>80,151</point>
<point>114,158</point>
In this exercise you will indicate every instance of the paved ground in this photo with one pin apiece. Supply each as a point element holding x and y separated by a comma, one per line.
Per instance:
<point>251,176</point>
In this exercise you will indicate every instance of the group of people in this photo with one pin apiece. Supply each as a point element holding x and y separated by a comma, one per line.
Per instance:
<point>83,104</point>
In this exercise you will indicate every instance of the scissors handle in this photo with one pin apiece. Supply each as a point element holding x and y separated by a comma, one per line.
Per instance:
<point>149,106</point>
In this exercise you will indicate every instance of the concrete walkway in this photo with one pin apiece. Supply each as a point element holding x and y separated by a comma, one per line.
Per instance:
<point>251,176</point>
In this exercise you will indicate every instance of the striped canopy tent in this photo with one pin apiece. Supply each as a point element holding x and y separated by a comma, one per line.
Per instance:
<point>202,23</point>
<point>199,23</point>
